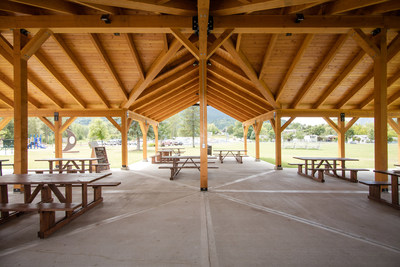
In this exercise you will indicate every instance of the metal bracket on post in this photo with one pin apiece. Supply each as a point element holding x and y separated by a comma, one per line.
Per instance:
<point>195,24</point>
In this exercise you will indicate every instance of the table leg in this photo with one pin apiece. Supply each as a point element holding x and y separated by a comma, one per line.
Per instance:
<point>83,167</point>
<point>60,166</point>
<point>395,190</point>
<point>27,193</point>
<point>50,166</point>
<point>90,166</point>
<point>343,167</point>
<point>4,199</point>
<point>46,194</point>
<point>68,197</point>
<point>84,195</point>
<point>1,168</point>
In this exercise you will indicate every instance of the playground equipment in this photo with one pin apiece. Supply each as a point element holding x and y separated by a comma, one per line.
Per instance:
<point>35,142</point>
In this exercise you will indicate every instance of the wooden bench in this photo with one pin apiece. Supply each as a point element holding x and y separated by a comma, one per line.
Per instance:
<point>175,170</point>
<point>353,173</point>
<point>299,166</point>
<point>375,189</point>
<point>99,166</point>
<point>97,188</point>
<point>46,211</point>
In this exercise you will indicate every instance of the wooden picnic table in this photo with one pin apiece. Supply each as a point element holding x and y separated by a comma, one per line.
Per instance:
<point>70,164</point>
<point>184,162</point>
<point>46,184</point>
<point>223,153</point>
<point>375,188</point>
<point>326,165</point>
<point>174,150</point>
<point>1,166</point>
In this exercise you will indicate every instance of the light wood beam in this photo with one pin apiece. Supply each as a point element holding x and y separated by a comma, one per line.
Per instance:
<point>268,53</point>
<point>66,124</point>
<point>238,41</point>
<point>364,42</point>
<point>224,8</point>
<point>302,7</point>
<point>35,43</point>
<point>47,122</point>
<point>135,55</point>
<point>44,61</point>
<point>257,126</point>
<point>18,8</point>
<point>4,122</point>
<point>7,49</point>
<point>113,122</point>
<point>212,93</point>
<point>182,8</point>
<point>58,138</point>
<point>278,141</point>
<point>186,42</point>
<point>395,125</point>
<point>138,117</point>
<point>6,100</point>
<point>220,40</point>
<point>331,123</point>
<point>125,123</point>
<point>341,6</point>
<point>190,103</point>
<point>79,66</point>
<point>343,75</point>
<point>384,7</point>
<point>245,65</point>
<point>53,5</point>
<point>155,68</point>
<point>321,68</point>
<point>102,8</point>
<point>287,123</point>
<point>41,87</point>
<point>307,40</point>
<point>107,61</point>
<point>350,123</point>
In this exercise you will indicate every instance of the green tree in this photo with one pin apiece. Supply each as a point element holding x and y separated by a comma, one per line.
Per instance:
<point>80,131</point>
<point>190,122</point>
<point>135,132</point>
<point>212,128</point>
<point>98,130</point>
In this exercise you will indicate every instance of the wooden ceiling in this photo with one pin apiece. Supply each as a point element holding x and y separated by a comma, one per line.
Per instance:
<point>146,59</point>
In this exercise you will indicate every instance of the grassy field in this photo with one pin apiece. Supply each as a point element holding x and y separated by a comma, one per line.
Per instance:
<point>363,152</point>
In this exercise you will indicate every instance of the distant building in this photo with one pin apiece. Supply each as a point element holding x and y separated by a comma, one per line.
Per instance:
<point>311,138</point>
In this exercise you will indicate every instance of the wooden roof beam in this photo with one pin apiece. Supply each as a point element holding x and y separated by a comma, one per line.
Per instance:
<point>107,61</point>
<point>263,117</point>
<point>79,66</point>
<point>190,102</point>
<point>53,5</point>
<point>224,8</point>
<point>343,75</point>
<point>48,123</point>
<point>67,123</point>
<point>154,70</point>
<point>113,122</point>
<point>268,53</point>
<point>395,125</point>
<point>219,41</point>
<point>135,55</point>
<point>182,8</point>
<point>365,43</point>
<point>223,108</point>
<point>35,43</point>
<point>43,60</point>
<point>138,117</point>
<point>321,68</point>
<point>341,6</point>
<point>383,8</point>
<point>186,42</point>
<point>102,8</point>
<point>302,7</point>
<point>248,69</point>
<point>306,42</point>
<point>19,8</point>
<point>45,90</point>
<point>236,97</point>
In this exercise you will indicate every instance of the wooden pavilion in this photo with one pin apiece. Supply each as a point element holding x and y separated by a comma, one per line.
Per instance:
<point>255,60</point>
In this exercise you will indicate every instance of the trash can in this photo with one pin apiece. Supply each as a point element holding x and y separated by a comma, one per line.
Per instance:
<point>209,150</point>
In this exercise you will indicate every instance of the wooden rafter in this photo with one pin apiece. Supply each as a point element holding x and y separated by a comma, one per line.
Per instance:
<point>67,123</point>
<point>223,8</point>
<point>364,42</point>
<point>186,42</point>
<point>44,61</point>
<point>287,123</point>
<point>113,122</point>
<point>137,117</point>
<point>54,5</point>
<point>190,102</point>
<point>135,55</point>
<point>46,91</point>
<point>248,69</point>
<point>219,41</point>
<point>341,6</point>
<point>103,8</point>
<point>307,40</point>
<point>395,125</point>
<point>18,8</point>
<point>349,68</point>
<point>268,53</point>
<point>155,68</point>
<point>238,41</point>
<point>183,8</point>
<point>35,43</point>
<point>79,66</point>
<point>350,123</point>
<point>384,7</point>
<point>47,122</point>
<point>107,61</point>
<point>302,7</point>
<point>4,122</point>
<point>321,68</point>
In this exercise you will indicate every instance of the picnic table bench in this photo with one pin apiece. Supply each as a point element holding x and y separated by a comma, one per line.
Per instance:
<point>375,188</point>
<point>236,153</point>
<point>312,168</point>
<point>188,162</point>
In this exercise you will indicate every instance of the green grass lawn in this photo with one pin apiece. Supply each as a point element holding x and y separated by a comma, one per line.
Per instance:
<point>363,152</point>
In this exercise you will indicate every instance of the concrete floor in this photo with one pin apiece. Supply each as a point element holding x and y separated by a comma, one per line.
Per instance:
<point>252,215</point>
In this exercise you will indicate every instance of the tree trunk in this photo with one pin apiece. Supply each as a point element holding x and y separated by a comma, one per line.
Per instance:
<point>138,143</point>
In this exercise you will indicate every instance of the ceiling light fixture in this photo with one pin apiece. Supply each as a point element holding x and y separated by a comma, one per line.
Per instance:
<point>299,18</point>
<point>106,18</point>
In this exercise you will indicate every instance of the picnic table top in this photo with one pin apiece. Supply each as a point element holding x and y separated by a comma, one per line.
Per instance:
<point>389,172</point>
<point>70,178</point>
<point>241,150</point>
<point>67,159</point>
<point>186,157</point>
<point>167,148</point>
<point>325,158</point>
<point>1,160</point>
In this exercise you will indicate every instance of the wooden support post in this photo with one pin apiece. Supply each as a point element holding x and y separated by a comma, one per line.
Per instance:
<point>58,136</point>
<point>245,131</point>
<point>380,108</point>
<point>341,138</point>
<point>278,142</point>
<point>124,140</point>
<point>257,129</point>
<point>144,127</point>
<point>20,107</point>
<point>203,126</point>
<point>155,129</point>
